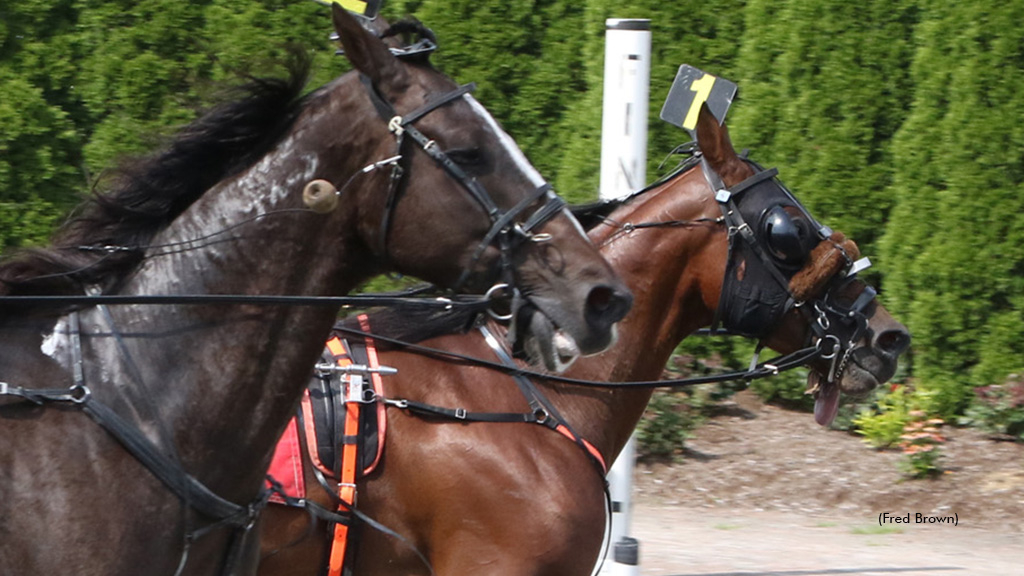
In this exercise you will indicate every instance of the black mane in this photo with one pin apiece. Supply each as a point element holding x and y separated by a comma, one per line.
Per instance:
<point>411,323</point>
<point>594,213</point>
<point>145,194</point>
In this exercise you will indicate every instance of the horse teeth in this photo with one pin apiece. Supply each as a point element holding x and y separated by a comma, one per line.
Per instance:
<point>565,345</point>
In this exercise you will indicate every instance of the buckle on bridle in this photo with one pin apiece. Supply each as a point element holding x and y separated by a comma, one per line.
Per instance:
<point>395,126</point>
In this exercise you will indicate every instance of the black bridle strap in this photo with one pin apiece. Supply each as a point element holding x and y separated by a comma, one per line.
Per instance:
<point>470,184</point>
<point>504,223</point>
<point>437,103</point>
<point>501,221</point>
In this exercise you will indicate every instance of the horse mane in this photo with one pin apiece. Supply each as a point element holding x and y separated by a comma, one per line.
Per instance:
<point>412,323</point>
<point>594,213</point>
<point>143,195</point>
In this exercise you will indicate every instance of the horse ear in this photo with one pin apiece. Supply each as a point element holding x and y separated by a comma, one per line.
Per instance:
<point>715,145</point>
<point>367,53</point>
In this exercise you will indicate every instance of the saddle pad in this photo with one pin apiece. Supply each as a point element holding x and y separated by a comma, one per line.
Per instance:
<point>321,414</point>
<point>286,465</point>
<point>324,399</point>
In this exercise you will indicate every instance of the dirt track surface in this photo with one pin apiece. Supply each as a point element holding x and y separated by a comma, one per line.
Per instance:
<point>766,492</point>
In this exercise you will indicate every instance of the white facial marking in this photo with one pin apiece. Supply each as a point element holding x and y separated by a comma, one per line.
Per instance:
<point>55,344</point>
<point>517,155</point>
<point>507,143</point>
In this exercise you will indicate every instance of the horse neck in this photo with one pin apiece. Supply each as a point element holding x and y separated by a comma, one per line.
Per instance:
<point>674,274</point>
<point>226,378</point>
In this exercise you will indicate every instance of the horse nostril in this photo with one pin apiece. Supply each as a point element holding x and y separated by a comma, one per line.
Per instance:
<point>893,342</point>
<point>608,303</point>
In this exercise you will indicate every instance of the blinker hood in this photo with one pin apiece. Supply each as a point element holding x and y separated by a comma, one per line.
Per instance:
<point>755,291</point>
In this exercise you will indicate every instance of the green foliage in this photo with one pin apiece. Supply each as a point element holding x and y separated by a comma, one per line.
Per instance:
<point>669,420</point>
<point>788,389</point>
<point>883,424</point>
<point>823,87</point>
<point>26,223</point>
<point>83,82</point>
<point>953,263</point>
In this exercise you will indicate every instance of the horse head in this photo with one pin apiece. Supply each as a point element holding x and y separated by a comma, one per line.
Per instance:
<point>511,234</point>
<point>789,280</point>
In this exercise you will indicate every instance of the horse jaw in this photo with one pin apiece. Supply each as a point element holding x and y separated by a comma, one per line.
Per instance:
<point>547,345</point>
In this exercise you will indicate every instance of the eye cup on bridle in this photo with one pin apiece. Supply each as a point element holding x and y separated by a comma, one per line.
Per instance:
<point>787,234</point>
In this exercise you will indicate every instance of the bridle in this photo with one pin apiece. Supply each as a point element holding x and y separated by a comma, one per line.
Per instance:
<point>507,230</point>
<point>835,328</point>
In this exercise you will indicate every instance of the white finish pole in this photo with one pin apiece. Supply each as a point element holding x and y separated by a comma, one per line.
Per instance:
<point>627,77</point>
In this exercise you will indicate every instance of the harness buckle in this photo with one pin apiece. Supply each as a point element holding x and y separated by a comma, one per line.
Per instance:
<point>541,415</point>
<point>395,126</point>
<point>79,393</point>
<point>3,388</point>
<point>460,413</point>
<point>859,266</point>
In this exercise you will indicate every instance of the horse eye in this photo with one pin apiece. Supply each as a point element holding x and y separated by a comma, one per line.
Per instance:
<point>787,234</point>
<point>467,157</point>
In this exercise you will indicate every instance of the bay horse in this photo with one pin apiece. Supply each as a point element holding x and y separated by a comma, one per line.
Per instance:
<point>479,497</point>
<point>136,436</point>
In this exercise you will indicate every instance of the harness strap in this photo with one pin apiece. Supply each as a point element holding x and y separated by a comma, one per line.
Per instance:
<point>348,462</point>
<point>541,406</point>
<point>764,369</point>
<point>165,467</point>
<point>184,485</point>
<point>348,438</point>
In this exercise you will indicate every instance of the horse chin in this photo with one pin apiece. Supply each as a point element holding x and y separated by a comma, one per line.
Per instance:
<point>544,344</point>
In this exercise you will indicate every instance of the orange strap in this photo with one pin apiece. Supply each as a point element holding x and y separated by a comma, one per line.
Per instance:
<point>564,431</point>
<point>349,452</point>
<point>349,462</point>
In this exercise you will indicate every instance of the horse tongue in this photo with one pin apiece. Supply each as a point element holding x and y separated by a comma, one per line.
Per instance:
<point>826,398</point>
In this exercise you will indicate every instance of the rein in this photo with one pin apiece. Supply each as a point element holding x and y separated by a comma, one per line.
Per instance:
<point>761,370</point>
<point>365,300</point>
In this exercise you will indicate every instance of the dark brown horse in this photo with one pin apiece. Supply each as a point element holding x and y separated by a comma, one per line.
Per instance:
<point>519,499</point>
<point>135,437</point>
